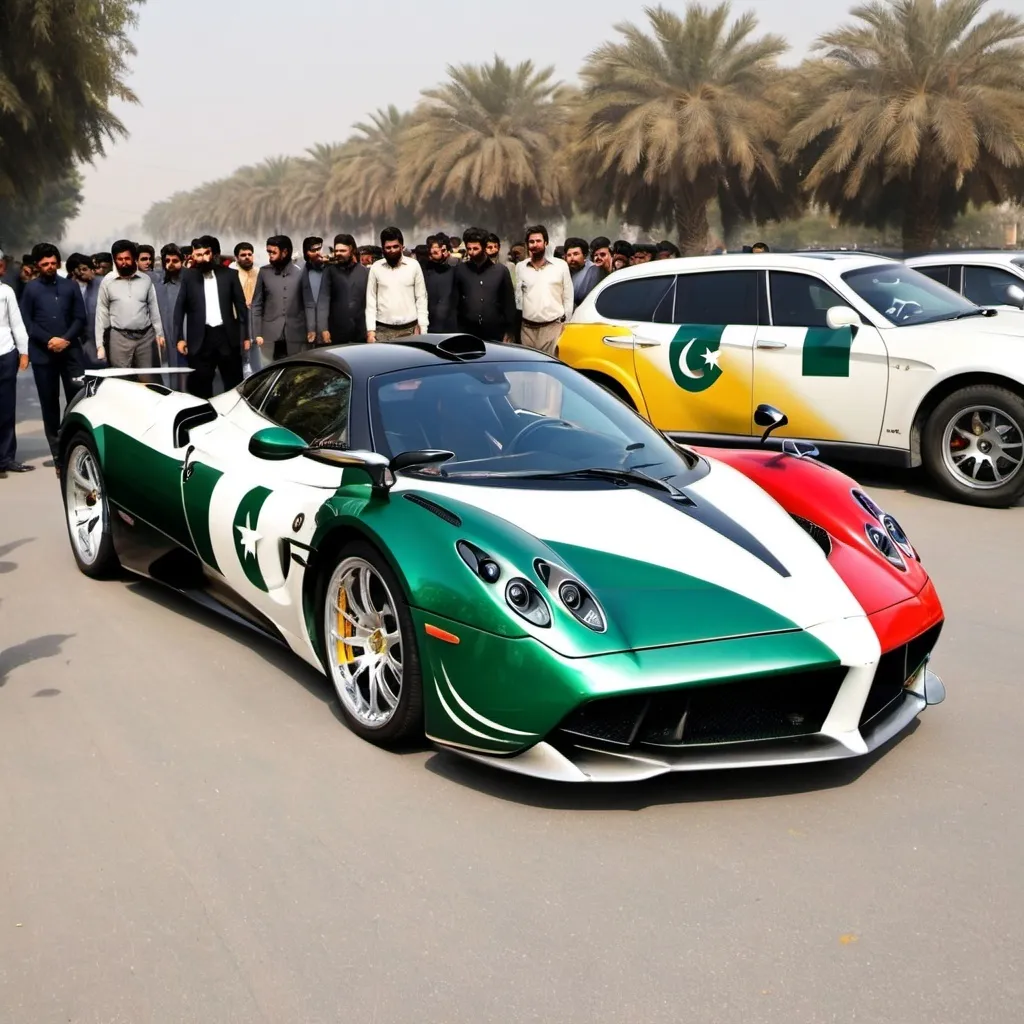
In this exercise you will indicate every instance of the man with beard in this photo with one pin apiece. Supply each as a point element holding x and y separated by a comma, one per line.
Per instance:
<point>210,320</point>
<point>168,286</point>
<point>439,277</point>
<point>485,300</point>
<point>601,255</point>
<point>278,314</point>
<point>54,316</point>
<point>396,294</point>
<point>312,284</point>
<point>79,268</point>
<point>342,303</point>
<point>584,273</point>
<point>127,307</point>
<point>543,293</point>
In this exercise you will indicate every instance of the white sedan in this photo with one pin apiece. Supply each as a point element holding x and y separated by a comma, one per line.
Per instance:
<point>870,359</point>
<point>993,278</point>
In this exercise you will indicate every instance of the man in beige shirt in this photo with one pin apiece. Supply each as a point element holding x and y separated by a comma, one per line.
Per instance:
<point>396,293</point>
<point>543,293</point>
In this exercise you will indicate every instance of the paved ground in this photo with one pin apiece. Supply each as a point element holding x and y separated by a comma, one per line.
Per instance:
<point>188,834</point>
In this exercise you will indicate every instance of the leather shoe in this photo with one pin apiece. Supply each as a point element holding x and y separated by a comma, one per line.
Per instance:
<point>19,467</point>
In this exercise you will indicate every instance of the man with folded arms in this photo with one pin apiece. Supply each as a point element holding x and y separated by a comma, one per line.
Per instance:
<point>127,305</point>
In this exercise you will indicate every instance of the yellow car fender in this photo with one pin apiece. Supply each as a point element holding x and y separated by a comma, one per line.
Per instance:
<point>582,347</point>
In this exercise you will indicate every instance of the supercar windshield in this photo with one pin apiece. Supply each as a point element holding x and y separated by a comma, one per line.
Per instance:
<point>904,296</point>
<point>516,421</point>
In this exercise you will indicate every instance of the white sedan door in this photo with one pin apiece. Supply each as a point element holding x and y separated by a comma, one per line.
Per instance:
<point>830,383</point>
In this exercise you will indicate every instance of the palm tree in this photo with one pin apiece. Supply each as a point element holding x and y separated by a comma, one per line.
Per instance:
<point>914,111</point>
<point>484,147</point>
<point>669,120</point>
<point>312,203</point>
<point>365,178</point>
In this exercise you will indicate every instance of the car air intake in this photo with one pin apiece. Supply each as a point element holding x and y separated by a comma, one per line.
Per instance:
<point>773,708</point>
<point>439,510</point>
<point>895,669</point>
<point>816,533</point>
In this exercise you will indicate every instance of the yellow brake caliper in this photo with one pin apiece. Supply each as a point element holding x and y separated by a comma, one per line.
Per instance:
<point>345,653</point>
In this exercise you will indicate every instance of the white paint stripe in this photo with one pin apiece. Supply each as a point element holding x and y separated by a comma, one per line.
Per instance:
<point>461,724</point>
<point>480,718</point>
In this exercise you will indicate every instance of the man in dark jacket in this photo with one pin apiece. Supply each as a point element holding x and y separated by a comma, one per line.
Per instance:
<point>485,300</point>
<point>278,312</point>
<point>439,276</point>
<point>54,316</point>
<point>212,334</point>
<point>342,302</point>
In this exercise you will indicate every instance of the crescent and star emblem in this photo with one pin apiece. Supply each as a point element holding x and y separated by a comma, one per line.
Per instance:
<point>694,356</point>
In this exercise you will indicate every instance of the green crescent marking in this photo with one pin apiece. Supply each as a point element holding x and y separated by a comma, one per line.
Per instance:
<point>693,342</point>
<point>247,517</point>
<point>827,352</point>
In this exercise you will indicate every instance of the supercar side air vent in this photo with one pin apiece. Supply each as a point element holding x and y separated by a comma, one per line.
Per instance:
<point>439,510</point>
<point>816,533</point>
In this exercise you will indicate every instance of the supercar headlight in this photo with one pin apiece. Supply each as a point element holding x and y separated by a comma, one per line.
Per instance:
<point>888,536</point>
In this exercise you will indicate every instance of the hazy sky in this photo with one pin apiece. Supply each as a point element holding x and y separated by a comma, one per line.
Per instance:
<point>223,83</point>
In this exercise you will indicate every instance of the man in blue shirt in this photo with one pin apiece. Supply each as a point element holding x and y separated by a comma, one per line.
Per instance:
<point>54,316</point>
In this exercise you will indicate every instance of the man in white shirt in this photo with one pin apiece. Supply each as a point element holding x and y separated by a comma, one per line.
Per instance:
<point>543,293</point>
<point>396,294</point>
<point>13,358</point>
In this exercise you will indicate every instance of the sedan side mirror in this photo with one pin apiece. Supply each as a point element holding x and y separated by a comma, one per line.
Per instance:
<point>770,418</point>
<point>1015,295</point>
<point>842,316</point>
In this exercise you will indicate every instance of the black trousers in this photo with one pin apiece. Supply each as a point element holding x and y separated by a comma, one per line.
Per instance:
<point>217,352</point>
<point>61,368</point>
<point>8,407</point>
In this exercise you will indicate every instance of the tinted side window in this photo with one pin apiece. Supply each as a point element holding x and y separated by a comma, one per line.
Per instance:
<point>644,299</point>
<point>800,301</point>
<point>717,297</point>
<point>310,401</point>
<point>940,274</point>
<point>986,286</point>
<point>254,389</point>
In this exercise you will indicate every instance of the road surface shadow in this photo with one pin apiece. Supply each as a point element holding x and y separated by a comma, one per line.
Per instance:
<point>7,548</point>
<point>36,649</point>
<point>671,788</point>
<point>282,659</point>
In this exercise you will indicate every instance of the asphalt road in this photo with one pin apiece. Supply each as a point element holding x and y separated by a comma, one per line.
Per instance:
<point>189,834</point>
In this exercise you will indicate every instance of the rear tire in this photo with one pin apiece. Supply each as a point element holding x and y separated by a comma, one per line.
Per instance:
<point>87,510</point>
<point>973,446</point>
<point>369,647</point>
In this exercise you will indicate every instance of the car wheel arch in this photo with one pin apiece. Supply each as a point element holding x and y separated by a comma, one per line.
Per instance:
<point>612,384</point>
<point>325,553</point>
<point>941,391</point>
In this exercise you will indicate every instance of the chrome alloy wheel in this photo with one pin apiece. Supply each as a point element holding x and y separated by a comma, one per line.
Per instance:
<point>364,642</point>
<point>83,500</point>
<point>983,447</point>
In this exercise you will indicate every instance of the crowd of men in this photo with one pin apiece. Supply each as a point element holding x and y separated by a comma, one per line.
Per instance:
<point>219,314</point>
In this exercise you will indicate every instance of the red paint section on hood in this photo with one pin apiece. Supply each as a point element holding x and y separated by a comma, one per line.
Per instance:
<point>817,492</point>
<point>896,625</point>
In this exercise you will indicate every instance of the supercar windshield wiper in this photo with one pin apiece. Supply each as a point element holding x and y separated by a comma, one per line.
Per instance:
<point>604,473</point>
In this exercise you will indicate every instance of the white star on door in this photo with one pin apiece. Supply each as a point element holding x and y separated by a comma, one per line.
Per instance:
<point>711,358</point>
<point>248,537</point>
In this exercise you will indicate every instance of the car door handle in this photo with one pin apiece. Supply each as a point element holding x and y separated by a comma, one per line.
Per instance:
<point>770,343</point>
<point>647,343</point>
<point>618,340</point>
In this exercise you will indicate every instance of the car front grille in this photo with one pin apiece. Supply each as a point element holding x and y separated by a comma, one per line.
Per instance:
<point>770,708</point>
<point>895,669</point>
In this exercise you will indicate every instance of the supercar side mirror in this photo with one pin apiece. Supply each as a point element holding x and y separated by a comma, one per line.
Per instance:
<point>376,466</point>
<point>275,444</point>
<point>422,457</point>
<point>770,418</point>
<point>800,449</point>
<point>1015,295</point>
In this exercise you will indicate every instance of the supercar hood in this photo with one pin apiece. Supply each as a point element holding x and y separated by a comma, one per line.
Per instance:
<point>735,564</point>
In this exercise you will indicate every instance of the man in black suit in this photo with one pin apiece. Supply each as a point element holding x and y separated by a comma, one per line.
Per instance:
<point>211,298</point>
<point>342,302</point>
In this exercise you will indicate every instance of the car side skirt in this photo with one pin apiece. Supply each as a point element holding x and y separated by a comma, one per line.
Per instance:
<point>878,455</point>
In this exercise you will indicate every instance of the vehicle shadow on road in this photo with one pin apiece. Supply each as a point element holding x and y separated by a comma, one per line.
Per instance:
<point>7,548</point>
<point>672,788</point>
<point>36,649</point>
<point>280,657</point>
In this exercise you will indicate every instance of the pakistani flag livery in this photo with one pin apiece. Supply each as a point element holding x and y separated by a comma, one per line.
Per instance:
<point>476,543</point>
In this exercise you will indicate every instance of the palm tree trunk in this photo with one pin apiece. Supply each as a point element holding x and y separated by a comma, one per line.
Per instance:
<point>692,228</point>
<point>921,216</point>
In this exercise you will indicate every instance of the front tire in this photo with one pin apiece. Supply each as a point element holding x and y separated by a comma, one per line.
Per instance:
<point>87,511</point>
<point>973,446</point>
<point>369,647</point>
